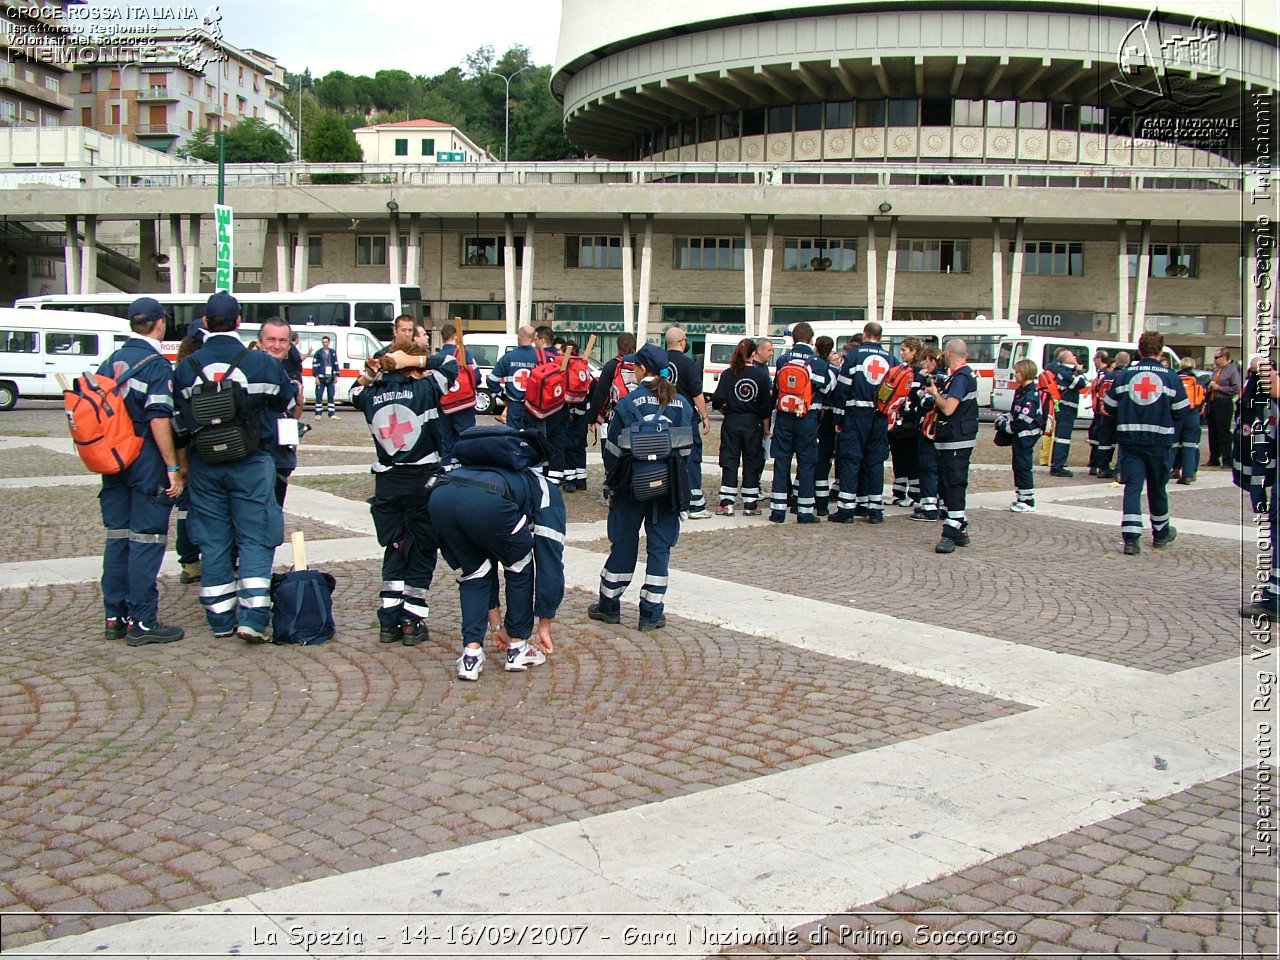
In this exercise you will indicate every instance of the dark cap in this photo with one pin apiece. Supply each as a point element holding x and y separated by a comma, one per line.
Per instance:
<point>222,304</point>
<point>149,307</point>
<point>651,357</point>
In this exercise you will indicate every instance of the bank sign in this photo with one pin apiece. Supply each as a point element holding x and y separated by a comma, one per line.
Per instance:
<point>226,247</point>
<point>1051,320</point>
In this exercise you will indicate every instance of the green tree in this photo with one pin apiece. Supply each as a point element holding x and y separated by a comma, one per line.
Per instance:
<point>249,141</point>
<point>200,146</point>
<point>330,140</point>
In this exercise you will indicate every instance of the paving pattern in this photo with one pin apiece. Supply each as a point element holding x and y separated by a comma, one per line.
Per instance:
<point>38,462</point>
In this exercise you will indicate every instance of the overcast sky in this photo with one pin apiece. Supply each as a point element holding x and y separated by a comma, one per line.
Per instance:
<point>423,37</point>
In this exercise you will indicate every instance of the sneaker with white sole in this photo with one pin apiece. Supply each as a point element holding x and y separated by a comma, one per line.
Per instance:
<point>524,656</point>
<point>724,511</point>
<point>471,664</point>
<point>699,515</point>
<point>1019,506</point>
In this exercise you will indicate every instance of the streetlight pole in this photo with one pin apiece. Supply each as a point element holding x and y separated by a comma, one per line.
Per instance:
<point>506,111</point>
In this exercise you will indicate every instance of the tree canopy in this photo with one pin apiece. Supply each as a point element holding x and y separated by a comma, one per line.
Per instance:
<point>249,141</point>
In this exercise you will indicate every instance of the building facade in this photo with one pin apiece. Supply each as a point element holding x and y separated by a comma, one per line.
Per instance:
<point>417,142</point>
<point>33,81</point>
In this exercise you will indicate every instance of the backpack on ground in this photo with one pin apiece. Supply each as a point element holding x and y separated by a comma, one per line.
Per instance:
<point>545,390</point>
<point>223,426</point>
<point>894,387</point>
<point>795,388</point>
<point>101,428</point>
<point>624,381</point>
<point>302,607</point>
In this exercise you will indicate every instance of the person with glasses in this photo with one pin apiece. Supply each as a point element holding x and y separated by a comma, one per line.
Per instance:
<point>1223,390</point>
<point>687,377</point>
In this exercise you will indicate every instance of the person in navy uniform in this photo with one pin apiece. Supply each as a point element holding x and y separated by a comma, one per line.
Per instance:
<point>136,502</point>
<point>686,374</point>
<point>496,509</point>
<point>1025,424</point>
<point>832,414</point>
<point>745,396</point>
<point>1145,405</point>
<point>796,434</point>
<point>274,339</point>
<point>324,367</point>
<point>575,453</point>
<point>452,424</point>
<point>556,426</point>
<point>510,374</point>
<point>921,409</point>
<point>863,445</point>
<point>1097,390</point>
<point>904,442</point>
<point>234,504</point>
<point>654,396</point>
<point>1066,369</point>
<point>1260,450</point>
<point>605,395</point>
<point>402,410</point>
<point>955,436</point>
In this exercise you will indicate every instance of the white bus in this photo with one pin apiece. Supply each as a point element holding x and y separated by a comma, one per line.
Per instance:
<point>373,306</point>
<point>980,334</point>
<point>36,347</point>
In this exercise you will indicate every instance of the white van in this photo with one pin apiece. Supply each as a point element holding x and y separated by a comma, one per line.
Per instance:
<point>719,349</point>
<point>1042,350</point>
<point>37,345</point>
<point>485,349</point>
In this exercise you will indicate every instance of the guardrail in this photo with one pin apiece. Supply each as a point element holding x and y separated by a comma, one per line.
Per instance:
<point>593,173</point>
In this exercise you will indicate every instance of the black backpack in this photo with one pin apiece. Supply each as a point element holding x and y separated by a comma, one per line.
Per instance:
<point>223,426</point>
<point>302,607</point>
<point>652,446</point>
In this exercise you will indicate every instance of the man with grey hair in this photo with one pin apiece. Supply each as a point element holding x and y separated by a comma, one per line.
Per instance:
<point>1070,376</point>
<point>511,373</point>
<point>955,435</point>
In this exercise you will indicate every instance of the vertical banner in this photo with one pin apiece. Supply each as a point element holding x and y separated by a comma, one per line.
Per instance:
<point>226,248</point>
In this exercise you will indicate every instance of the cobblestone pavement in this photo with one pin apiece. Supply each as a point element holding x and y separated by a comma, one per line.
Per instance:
<point>38,462</point>
<point>173,776</point>
<point>1059,593</point>
<point>1164,880</point>
<point>1217,506</point>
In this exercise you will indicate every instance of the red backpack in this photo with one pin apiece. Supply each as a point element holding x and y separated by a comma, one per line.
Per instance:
<point>795,388</point>
<point>1050,397</point>
<point>462,394</point>
<point>894,387</point>
<point>101,428</point>
<point>578,375</point>
<point>624,381</point>
<point>547,386</point>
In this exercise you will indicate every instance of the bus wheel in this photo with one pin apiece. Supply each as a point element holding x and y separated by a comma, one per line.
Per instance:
<point>8,395</point>
<point>484,402</point>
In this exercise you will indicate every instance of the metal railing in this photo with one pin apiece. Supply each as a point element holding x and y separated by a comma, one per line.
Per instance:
<point>596,173</point>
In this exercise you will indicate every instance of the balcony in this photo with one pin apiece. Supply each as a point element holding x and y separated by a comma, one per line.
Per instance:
<point>158,130</point>
<point>157,95</point>
<point>34,91</point>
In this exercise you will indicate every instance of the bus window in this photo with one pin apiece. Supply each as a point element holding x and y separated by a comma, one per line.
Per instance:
<point>1051,353</point>
<point>327,313</point>
<point>981,349</point>
<point>19,341</point>
<point>259,313</point>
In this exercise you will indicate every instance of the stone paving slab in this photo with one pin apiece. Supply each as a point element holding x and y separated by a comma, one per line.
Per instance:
<point>1172,877</point>
<point>167,777</point>
<point>38,462</point>
<point>1229,506</point>
<point>48,524</point>
<point>1056,589</point>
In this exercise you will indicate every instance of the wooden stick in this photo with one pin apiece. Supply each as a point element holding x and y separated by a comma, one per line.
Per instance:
<point>462,347</point>
<point>64,381</point>
<point>299,551</point>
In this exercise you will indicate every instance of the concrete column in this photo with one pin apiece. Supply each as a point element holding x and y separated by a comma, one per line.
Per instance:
<point>890,271</point>
<point>175,253</point>
<point>71,255</point>
<point>148,248</point>
<point>282,253</point>
<point>1015,275</point>
<point>509,273</point>
<point>1139,321</point>
<point>873,299</point>
<point>300,254</point>
<point>89,257</point>
<point>393,251</point>
<point>192,256</point>
<point>628,291</point>
<point>997,273</point>
<point>413,258</point>
<point>748,279</point>
<point>646,276</point>
<point>526,273</point>
<point>1122,284</point>
<point>766,281</point>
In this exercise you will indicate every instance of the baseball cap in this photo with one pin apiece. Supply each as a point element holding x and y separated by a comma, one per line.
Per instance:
<point>650,357</point>
<point>222,304</point>
<point>149,307</point>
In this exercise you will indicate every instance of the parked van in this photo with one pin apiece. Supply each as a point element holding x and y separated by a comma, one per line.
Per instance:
<point>37,345</point>
<point>1042,350</point>
<point>485,349</point>
<point>719,349</point>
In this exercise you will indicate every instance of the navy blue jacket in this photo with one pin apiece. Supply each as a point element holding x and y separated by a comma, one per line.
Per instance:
<point>150,393</point>
<point>321,359</point>
<point>1070,381</point>
<point>959,431</point>
<point>748,392</point>
<point>862,373</point>
<point>1026,416</point>
<point>263,376</point>
<point>403,415</point>
<point>511,372</point>
<point>685,373</point>
<point>821,376</point>
<point>1146,403</point>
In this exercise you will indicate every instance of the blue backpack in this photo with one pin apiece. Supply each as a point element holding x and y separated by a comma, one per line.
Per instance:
<point>503,447</point>
<point>302,607</point>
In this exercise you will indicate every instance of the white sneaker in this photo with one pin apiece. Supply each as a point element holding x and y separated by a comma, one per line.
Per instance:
<point>470,664</point>
<point>521,658</point>
<point>1019,507</point>
<point>700,515</point>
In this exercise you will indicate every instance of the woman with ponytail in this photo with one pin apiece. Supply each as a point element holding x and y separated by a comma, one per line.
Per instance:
<point>654,397</point>
<point>745,396</point>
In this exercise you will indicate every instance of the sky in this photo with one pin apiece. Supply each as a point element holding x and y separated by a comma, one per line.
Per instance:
<point>420,36</point>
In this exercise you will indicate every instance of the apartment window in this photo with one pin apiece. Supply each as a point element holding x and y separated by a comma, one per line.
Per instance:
<point>42,267</point>
<point>191,120</point>
<point>113,80</point>
<point>208,91</point>
<point>1165,258</point>
<point>839,114</point>
<point>1052,258</point>
<point>371,250</point>
<point>86,81</point>
<point>593,252</point>
<point>8,110</point>
<point>191,86</point>
<point>315,248</point>
<point>52,120</point>
<point>86,116</point>
<point>226,101</point>
<point>934,256</point>
<point>709,253</point>
<point>428,146</point>
<point>115,115</point>
<point>488,251</point>
<point>402,146</point>
<point>836,254</point>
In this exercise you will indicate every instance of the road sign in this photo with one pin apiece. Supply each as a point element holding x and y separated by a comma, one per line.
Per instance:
<point>226,247</point>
